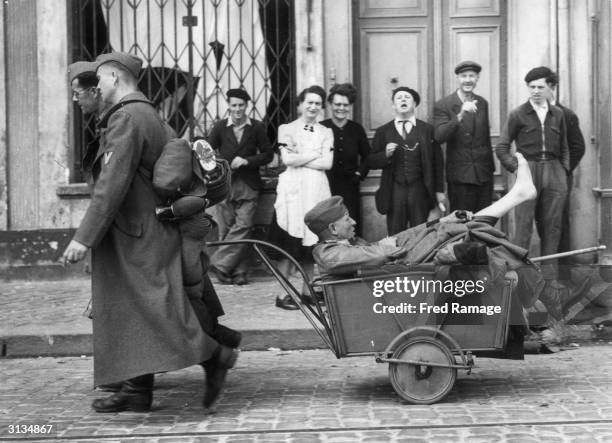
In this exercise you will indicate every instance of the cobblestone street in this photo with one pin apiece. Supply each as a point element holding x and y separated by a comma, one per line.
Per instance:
<point>304,396</point>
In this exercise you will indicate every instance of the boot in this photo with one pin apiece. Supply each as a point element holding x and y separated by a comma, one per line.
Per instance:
<point>216,368</point>
<point>136,394</point>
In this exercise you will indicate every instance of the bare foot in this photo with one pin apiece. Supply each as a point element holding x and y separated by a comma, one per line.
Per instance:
<point>524,186</point>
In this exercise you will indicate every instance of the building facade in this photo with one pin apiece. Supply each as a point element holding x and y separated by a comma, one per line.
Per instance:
<point>376,44</point>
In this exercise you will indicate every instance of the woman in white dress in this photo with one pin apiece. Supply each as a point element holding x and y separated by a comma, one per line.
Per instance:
<point>306,149</point>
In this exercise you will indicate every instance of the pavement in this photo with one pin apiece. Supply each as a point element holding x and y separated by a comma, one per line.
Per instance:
<point>45,318</point>
<point>310,396</point>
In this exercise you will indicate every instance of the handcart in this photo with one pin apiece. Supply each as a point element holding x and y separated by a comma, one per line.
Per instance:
<point>424,348</point>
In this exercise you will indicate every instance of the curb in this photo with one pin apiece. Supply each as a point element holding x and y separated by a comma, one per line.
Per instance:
<point>64,345</point>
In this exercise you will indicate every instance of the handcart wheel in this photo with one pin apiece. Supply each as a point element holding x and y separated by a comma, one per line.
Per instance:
<point>422,384</point>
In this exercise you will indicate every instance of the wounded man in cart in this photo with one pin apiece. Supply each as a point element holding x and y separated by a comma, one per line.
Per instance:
<point>460,238</point>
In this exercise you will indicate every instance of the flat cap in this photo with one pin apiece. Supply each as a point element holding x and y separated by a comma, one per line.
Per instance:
<point>468,65</point>
<point>415,95</point>
<point>238,93</point>
<point>325,212</point>
<point>128,61</point>
<point>77,68</point>
<point>539,72</point>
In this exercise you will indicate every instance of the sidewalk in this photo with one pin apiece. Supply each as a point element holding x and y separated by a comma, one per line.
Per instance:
<point>45,318</point>
<point>40,318</point>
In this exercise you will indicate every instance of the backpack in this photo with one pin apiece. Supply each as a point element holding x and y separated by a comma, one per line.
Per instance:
<point>173,172</point>
<point>178,173</point>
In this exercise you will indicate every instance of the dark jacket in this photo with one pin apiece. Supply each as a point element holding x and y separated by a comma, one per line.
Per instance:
<point>142,320</point>
<point>432,162</point>
<point>351,148</point>
<point>469,154</point>
<point>575,139</point>
<point>523,127</point>
<point>254,147</point>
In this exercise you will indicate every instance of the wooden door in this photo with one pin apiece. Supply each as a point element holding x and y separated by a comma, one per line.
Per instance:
<point>417,43</point>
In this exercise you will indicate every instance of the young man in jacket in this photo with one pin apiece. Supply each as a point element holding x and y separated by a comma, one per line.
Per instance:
<point>539,131</point>
<point>243,142</point>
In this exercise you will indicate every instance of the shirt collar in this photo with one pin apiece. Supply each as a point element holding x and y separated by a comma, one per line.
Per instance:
<point>399,121</point>
<point>247,122</point>
<point>544,106</point>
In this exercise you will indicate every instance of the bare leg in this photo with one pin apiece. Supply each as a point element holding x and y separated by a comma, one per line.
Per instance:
<point>522,191</point>
<point>285,267</point>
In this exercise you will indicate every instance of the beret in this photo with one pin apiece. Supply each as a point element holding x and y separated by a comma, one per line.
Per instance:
<point>415,95</point>
<point>468,65</point>
<point>537,73</point>
<point>238,93</point>
<point>128,61</point>
<point>77,68</point>
<point>325,212</point>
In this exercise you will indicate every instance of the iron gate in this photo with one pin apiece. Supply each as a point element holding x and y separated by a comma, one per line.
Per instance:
<point>193,51</point>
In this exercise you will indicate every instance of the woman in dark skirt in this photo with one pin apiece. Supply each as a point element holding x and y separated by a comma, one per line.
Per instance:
<point>351,148</point>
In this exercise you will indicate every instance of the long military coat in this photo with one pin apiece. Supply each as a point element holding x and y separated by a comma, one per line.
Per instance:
<point>142,320</point>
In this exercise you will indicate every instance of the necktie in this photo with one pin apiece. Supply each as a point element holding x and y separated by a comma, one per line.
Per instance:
<point>405,131</point>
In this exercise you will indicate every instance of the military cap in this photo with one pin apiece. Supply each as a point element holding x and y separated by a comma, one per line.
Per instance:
<point>77,68</point>
<point>468,65</point>
<point>325,212</point>
<point>238,93</point>
<point>539,72</point>
<point>415,95</point>
<point>128,61</point>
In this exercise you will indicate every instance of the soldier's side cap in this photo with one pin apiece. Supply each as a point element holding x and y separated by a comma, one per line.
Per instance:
<point>77,68</point>
<point>128,61</point>
<point>415,95</point>
<point>238,93</point>
<point>539,72</point>
<point>468,65</point>
<point>325,212</point>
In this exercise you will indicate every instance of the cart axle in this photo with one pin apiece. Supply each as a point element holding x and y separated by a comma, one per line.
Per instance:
<point>381,359</point>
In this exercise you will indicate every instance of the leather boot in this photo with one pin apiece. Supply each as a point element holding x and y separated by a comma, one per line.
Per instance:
<point>216,368</point>
<point>136,395</point>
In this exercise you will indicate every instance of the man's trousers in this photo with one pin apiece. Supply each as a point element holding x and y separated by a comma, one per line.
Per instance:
<point>550,180</point>
<point>235,219</point>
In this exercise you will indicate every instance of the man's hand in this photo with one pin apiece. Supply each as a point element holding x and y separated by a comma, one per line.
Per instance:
<point>441,198</point>
<point>468,106</point>
<point>238,162</point>
<point>457,217</point>
<point>388,241</point>
<point>446,255</point>
<point>390,149</point>
<point>74,252</point>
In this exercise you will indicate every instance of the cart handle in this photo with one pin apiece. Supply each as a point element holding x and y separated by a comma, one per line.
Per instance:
<point>311,315</point>
<point>568,253</point>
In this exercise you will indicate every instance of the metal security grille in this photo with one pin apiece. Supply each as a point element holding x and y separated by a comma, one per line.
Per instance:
<point>193,51</point>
